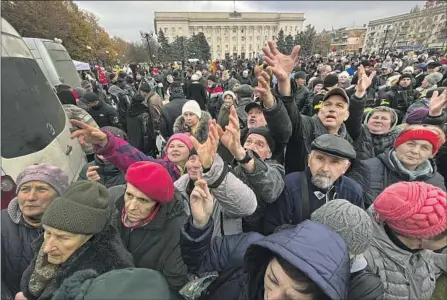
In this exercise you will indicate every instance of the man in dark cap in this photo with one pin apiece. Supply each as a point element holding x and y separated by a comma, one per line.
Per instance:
<point>322,181</point>
<point>103,113</point>
<point>302,92</point>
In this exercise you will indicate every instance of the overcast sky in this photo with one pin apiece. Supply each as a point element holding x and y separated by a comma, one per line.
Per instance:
<point>126,18</point>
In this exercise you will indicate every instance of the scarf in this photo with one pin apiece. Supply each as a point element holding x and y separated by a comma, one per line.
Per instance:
<point>44,272</point>
<point>423,169</point>
<point>132,225</point>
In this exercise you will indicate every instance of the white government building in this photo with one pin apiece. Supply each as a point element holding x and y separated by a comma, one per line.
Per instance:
<point>230,34</point>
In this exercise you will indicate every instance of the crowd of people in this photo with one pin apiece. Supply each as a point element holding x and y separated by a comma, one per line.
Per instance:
<point>280,178</point>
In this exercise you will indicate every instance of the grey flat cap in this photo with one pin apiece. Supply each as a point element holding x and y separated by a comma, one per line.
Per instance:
<point>334,145</point>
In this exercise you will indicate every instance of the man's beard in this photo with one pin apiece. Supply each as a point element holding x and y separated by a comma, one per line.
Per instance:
<point>322,181</point>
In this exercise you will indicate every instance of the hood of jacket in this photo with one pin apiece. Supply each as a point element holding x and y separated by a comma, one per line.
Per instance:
<point>115,90</point>
<point>242,102</point>
<point>313,248</point>
<point>387,160</point>
<point>202,130</point>
<point>14,210</point>
<point>104,252</point>
<point>396,117</point>
<point>137,108</point>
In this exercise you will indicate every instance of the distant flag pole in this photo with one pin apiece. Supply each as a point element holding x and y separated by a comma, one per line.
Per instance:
<point>234,5</point>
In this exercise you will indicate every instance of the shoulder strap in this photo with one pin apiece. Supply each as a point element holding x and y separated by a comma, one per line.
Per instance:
<point>305,210</point>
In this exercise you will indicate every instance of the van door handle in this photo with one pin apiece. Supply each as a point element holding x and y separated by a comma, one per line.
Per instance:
<point>69,149</point>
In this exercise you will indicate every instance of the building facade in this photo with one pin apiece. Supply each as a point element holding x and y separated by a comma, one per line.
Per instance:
<point>348,40</point>
<point>230,34</point>
<point>424,29</point>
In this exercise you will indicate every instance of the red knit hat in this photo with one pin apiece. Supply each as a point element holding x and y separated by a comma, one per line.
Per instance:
<point>419,134</point>
<point>151,179</point>
<point>413,209</point>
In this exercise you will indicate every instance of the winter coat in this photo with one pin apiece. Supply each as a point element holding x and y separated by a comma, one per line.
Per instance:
<point>377,173</point>
<point>213,95</point>
<point>155,104</point>
<point>233,199</point>
<point>169,114</point>
<point>200,132</point>
<point>301,96</point>
<point>288,208</point>
<point>109,174</point>
<point>400,99</point>
<point>196,91</point>
<point>80,114</point>
<point>104,115</point>
<point>246,80</point>
<point>123,155</point>
<point>243,258</point>
<point>267,183</point>
<point>123,99</point>
<point>156,244</point>
<point>240,108</point>
<point>405,275</point>
<point>17,252</point>
<point>304,130</point>
<point>140,129</point>
<point>104,252</point>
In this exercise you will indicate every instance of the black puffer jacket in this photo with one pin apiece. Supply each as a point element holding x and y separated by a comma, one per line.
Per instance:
<point>301,96</point>
<point>104,252</point>
<point>156,244</point>
<point>196,91</point>
<point>170,112</point>
<point>17,252</point>
<point>376,174</point>
<point>140,128</point>
<point>400,99</point>
<point>109,173</point>
<point>104,115</point>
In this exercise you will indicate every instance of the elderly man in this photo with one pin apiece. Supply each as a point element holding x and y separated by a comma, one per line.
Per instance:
<point>331,116</point>
<point>37,187</point>
<point>304,192</point>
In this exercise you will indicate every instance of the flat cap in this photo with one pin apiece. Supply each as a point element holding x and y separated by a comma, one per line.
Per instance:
<point>334,145</point>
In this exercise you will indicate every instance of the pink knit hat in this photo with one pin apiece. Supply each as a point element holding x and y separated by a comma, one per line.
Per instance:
<point>413,209</point>
<point>182,137</point>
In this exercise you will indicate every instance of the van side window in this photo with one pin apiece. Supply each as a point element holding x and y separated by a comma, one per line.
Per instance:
<point>31,115</point>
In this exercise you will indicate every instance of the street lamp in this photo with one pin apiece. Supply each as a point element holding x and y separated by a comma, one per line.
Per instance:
<point>148,37</point>
<point>388,29</point>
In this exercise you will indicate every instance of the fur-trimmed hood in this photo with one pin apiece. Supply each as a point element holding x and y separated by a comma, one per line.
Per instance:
<point>102,253</point>
<point>202,131</point>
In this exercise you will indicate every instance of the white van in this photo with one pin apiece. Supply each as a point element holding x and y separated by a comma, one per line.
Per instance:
<point>33,123</point>
<point>55,62</point>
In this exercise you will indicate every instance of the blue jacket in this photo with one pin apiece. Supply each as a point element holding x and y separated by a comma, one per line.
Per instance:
<point>243,258</point>
<point>287,208</point>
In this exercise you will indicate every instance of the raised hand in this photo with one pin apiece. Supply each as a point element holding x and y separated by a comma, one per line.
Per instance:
<point>437,103</point>
<point>92,173</point>
<point>263,88</point>
<point>364,81</point>
<point>89,134</point>
<point>231,138</point>
<point>282,65</point>
<point>207,151</point>
<point>201,203</point>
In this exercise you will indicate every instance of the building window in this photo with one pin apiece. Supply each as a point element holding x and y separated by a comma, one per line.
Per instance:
<point>226,47</point>
<point>218,39</point>
<point>265,38</point>
<point>173,30</point>
<point>234,48</point>
<point>242,30</point>
<point>258,38</point>
<point>234,29</point>
<point>234,39</point>
<point>166,30</point>
<point>250,47</point>
<point>250,38</point>
<point>243,39</point>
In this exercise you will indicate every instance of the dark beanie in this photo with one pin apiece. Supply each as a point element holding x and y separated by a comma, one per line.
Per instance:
<point>145,87</point>
<point>116,132</point>
<point>330,80</point>
<point>405,76</point>
<point>138,98</point>
<point>416,116</point>
<point>90,97</point>
<point>316,81</point>
<point>212,77</point>
<point>265,132</point>
<point>83,209</point>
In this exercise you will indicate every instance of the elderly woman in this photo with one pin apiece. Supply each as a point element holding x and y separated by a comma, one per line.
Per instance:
<point>410,159</point>
<point>122,154</point>
<point>78,236</point>
<point>193,120</point>
<point>343,80</point>
<point>148,214</point>
<point>37,187</point>
<point>380,126</point>
<point>224,114</point>
<point>408,218</point>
